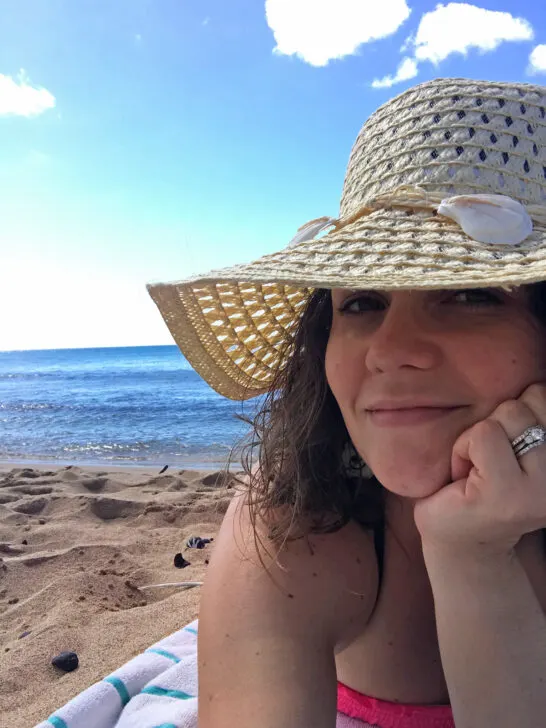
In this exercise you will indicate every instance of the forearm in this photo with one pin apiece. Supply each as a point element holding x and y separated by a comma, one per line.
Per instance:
<point>492,637</point>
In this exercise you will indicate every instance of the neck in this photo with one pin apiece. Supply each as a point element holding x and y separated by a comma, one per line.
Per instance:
<point>399,516</point>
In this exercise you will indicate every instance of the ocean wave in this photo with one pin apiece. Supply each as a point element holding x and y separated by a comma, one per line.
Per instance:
<point>156,374</point>
<point>29,406</point>
<point>91,406</point>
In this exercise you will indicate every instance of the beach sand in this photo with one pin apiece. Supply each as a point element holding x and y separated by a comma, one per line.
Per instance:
<point>75,543</point>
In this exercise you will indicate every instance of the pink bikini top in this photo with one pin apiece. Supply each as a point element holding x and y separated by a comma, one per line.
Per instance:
<point>384,714</point>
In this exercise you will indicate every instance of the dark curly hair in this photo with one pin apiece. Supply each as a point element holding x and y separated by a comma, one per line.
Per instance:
<point>299,483</point>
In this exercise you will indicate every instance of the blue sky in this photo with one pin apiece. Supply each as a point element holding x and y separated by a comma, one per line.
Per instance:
<point>145,140</point>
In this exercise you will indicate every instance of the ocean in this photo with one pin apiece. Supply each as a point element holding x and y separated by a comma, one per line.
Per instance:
<point>126,406</point>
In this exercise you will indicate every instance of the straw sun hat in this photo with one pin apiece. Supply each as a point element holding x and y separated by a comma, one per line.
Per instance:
<point>448,138</point>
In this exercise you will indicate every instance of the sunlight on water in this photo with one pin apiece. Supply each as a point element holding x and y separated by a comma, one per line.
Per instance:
<point>141,404</point>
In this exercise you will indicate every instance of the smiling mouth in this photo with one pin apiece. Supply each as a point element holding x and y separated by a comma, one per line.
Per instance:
<point>409,416</point>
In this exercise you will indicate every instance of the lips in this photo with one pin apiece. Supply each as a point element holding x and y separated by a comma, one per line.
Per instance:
<point>410,404</point>
<point>409,415</point>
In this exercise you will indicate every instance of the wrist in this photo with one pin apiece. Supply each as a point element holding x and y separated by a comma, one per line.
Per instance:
<point>480,566</point>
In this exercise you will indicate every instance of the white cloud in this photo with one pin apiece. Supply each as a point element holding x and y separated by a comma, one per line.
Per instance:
<point>18,97</point>
<point>406,70</point>
<point>456,28</point>
<point>318,32</point>
<point>537,60</point>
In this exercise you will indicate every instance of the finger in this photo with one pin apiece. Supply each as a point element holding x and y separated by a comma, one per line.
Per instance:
<point>486,449</point>
<point>516,416</point>
<point>535,398</point>
<point>534,461</point>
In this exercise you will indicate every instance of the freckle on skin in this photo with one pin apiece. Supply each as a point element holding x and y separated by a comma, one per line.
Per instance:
<point>315,573</point>
<point>358,561</point>
<point>291,596</point>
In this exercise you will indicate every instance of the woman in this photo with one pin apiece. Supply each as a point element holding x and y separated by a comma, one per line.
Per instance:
<point>388,556</point>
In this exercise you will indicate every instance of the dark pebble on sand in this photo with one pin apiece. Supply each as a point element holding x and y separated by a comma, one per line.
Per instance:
<point>163,469</point>
<point>66,661</point>
<point>24,634</point>
<point>180,562</point>
<point>24,542</point>
<point>196,542</point>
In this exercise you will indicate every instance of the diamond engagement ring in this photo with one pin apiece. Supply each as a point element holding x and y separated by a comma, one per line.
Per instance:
<point>532,437</point>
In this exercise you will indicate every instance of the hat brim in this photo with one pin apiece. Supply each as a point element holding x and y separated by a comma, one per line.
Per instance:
<point>232,325</point>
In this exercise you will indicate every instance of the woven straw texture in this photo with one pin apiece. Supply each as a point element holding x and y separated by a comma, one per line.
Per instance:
<point>442,138</point>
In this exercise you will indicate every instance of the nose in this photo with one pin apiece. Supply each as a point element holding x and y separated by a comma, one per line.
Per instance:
<point>402,339</point>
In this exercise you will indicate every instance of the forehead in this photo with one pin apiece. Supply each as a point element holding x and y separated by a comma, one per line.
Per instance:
<point>516,298</point>
<point>515,291</point>
<point>341,293</point>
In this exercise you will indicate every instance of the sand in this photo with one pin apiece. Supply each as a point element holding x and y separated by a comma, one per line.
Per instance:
<point>75,545</point>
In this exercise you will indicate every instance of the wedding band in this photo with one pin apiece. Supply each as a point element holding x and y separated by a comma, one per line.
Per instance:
<point>532,437</point>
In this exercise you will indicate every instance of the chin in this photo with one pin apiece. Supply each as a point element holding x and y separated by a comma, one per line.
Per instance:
<point>413,480</point>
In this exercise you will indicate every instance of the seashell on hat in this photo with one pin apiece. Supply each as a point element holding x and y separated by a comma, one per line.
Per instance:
<point>445,188</point>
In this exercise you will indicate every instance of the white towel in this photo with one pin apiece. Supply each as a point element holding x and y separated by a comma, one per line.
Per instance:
<point>156,689</point>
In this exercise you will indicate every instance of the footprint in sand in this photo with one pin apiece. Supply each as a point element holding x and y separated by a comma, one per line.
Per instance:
<point>109,508</point>
<point>31,507</point>
<point>95,485</point>
<point>218,479</point>
<point>33,489</point>
<point>26,473</point>
<point>8,548</point>
<point>8,498</point>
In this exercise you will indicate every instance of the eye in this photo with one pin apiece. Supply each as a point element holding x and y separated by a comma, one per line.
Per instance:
<point>475,297</point>
<point>361,304</point>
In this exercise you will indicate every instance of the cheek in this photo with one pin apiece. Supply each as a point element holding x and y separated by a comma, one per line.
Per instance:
<point>343,366</point>
<point>500,373</point>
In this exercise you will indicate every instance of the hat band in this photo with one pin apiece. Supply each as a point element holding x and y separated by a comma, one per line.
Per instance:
<point>491,219</point>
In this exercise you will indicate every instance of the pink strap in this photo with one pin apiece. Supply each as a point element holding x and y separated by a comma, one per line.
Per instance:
<point>385,714</point>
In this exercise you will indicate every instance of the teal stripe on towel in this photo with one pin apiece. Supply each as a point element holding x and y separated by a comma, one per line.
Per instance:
<point>164,653</point>
<point>154,690</point>
<point>120,687</point>
<point>190,629</point>
<point>56,721</point>
<point>166,725</point>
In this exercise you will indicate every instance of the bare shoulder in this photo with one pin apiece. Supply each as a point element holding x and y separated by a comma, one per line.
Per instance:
<point>261,613</point>
<point>330,577</point>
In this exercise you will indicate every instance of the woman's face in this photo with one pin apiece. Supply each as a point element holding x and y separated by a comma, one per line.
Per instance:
<point>462,351</point>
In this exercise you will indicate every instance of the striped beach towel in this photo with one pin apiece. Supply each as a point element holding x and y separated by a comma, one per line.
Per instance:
<point>156,689</point>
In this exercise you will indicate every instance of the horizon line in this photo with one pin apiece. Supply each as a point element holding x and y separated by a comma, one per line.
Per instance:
<point>89,348</point>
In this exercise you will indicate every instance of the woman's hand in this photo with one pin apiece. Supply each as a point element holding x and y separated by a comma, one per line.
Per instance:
<point>494,498</point>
